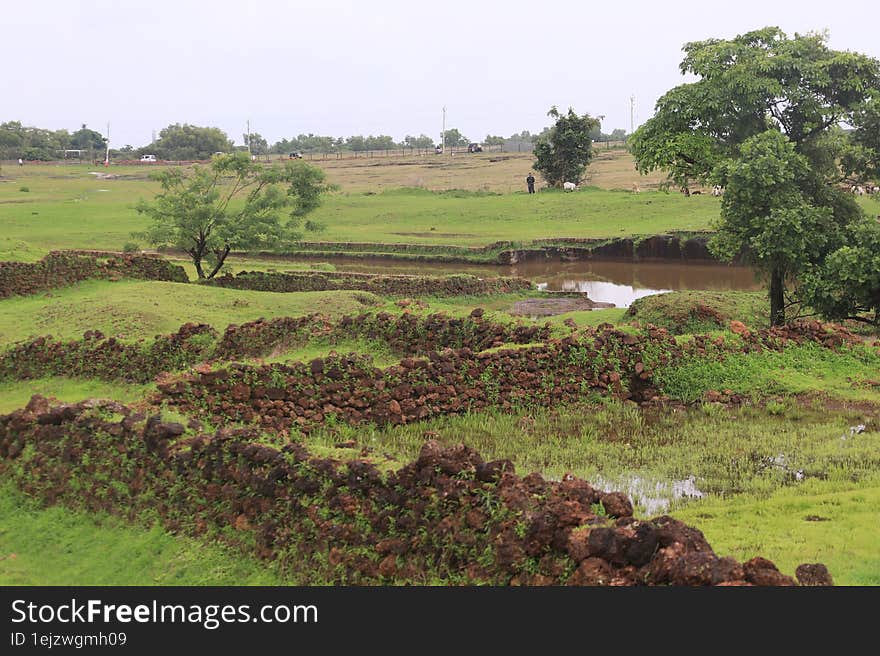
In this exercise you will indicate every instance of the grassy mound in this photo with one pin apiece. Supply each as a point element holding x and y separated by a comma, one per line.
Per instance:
<point>702,311</point>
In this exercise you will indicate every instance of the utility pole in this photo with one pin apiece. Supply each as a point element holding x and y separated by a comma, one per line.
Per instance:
<point>632,109</point>
<point>107,154</point>
<point>443,132</point>
<point>249,136</point>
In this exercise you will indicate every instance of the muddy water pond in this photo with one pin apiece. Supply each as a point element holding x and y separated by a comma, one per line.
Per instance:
<point>608,281</point>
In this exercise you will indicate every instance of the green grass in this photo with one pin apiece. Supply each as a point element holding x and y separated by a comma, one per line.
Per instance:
<point>423,217</point>
<point>726,451</point>
<point>700,311</point>
<point>841,532</point>
<point>794,370</point>
<point>16,394</point>
<point>57,546</point>
<point>133,309</point>
<point>69,208</point>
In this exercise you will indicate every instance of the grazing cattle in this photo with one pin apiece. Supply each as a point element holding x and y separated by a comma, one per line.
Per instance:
<point>875,189</point>
<point>858,190</point>
<point>636,188</point>
<point>569,186</point>
<point>717,190</point>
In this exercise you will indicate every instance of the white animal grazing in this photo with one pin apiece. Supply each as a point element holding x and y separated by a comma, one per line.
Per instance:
<point>569,186</point>
<point>717,190</point>
<point>858,190</point>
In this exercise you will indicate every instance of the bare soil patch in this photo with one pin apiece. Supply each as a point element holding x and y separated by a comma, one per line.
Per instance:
<point>545,307</point>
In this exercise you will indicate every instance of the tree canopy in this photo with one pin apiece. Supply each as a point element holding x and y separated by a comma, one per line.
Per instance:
<point>453,137</point>
<point>256,143</point>
<point>232,203</point>
<point>755,82</point>
<point>86,139</point>
<point>189,142</point>
<point>421,141</point>
<point>846,285</point>
<point>764,118</point>
<point>17,140</point>
<point>565,151</point>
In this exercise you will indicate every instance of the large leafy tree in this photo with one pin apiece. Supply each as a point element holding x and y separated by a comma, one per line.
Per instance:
<point>189,142</point>
<point>765,83</point>
<point>452,137</point>
<point>233,203</point>
<point>565,151</point>
<point>86,139</point>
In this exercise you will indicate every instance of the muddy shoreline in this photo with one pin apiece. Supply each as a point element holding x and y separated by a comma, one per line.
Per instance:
<point>656,248</point>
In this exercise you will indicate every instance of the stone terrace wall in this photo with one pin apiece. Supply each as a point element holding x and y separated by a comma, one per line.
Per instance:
<point>97,356</point>
<point>390,285</point>
<point>449,516</point>
<point>603,361</point>
<point>301,395</point>
<point>61,268</point>
<point>406,334</point>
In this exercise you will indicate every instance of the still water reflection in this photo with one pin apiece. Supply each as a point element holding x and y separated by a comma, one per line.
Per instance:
<point>614,282</point>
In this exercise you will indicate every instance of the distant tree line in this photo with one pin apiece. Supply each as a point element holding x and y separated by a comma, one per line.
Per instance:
<point>30,143</point>
<point>190,142</point>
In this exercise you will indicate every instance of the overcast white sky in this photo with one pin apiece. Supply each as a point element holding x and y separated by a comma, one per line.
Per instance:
<point>346,67</point>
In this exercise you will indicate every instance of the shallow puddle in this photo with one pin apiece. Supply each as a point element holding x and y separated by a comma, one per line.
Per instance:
<point>653,496</point>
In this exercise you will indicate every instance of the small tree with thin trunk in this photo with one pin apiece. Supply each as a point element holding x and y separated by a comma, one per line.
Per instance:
<point>233,203</point>
<point>562,155</point>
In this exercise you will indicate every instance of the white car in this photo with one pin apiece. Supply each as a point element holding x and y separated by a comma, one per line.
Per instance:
<point>148,158</point>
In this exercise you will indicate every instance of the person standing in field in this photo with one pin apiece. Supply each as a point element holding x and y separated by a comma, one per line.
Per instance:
<point>530,181</point>
<point>20,162</point>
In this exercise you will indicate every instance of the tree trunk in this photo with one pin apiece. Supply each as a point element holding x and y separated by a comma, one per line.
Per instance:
<point>197,262</point>
<point>777,297</point>
<point>221,257</point>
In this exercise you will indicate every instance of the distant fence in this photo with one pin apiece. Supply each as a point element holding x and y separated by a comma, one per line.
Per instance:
<point>389,152</point>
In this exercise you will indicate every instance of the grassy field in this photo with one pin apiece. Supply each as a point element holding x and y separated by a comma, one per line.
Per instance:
<point>132,310</point>
<point>747,475</point>
<point>827,522</point>
<point>56,546</point>
<point>43,207</point>
<point>498,172</point>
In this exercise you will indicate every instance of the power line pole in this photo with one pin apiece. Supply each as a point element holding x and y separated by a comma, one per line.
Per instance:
<point>443,132</point>
<point>249,136</point>
<point>632,109</point>
<point>107,154</point>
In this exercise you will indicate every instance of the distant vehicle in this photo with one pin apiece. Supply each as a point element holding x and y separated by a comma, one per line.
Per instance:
<point>148,158</point>
<point>296,155</point>
<point>475,148</point>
